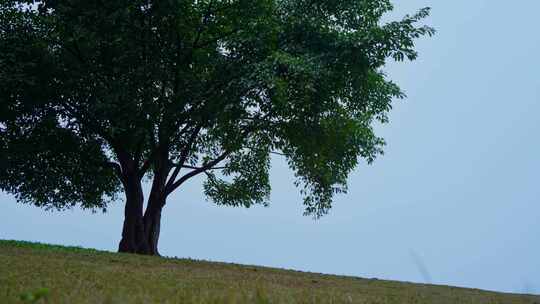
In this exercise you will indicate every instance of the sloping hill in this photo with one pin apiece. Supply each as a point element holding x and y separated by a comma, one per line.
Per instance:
<point>38,273</point>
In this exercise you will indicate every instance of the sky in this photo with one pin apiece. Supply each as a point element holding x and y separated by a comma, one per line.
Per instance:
<point>455,200</point>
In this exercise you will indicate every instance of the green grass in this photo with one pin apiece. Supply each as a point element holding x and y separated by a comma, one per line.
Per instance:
<point>39,273</point>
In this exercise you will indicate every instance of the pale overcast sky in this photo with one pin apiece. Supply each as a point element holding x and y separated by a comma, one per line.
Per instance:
<point>455,199</point>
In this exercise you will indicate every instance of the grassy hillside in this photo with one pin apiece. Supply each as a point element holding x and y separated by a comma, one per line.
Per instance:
<point>37,273</point>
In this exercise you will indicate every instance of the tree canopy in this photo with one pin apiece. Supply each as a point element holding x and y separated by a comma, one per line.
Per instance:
<point>95,96</point>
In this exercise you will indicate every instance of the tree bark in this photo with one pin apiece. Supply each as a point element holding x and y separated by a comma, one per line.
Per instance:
<point>152,226</point>
<point>133,240</point>
<point>156,201</point>
<point>140,233</point>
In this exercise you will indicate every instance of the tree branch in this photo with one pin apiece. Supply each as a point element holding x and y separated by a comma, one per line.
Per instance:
<point>171,185</point>
<point>118,170</point>
<point>278,153</point>
<point>199,170</point>
<point>147,162</point>
<point>138,152</point>
<point>183,156</point>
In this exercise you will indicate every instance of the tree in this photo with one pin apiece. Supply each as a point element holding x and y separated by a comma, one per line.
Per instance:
<point>98,96</point>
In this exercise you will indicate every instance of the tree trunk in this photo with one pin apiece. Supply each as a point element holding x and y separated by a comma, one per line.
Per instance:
<point>156,201</point>
<point>133,240</point>
<point>141,233</point>
<point>152,225</point>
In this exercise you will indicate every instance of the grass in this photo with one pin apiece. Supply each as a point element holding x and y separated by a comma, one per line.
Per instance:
<point>39,273</point>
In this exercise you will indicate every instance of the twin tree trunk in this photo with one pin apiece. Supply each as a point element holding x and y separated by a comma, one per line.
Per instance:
<point>140,233</point>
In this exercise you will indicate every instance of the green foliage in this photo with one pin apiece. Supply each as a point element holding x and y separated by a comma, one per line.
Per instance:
<point>95,92</point>
<point>35,296</point>
<point>51,166</point>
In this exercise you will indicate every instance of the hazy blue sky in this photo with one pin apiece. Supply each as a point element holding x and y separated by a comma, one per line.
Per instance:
<point>456,193</point>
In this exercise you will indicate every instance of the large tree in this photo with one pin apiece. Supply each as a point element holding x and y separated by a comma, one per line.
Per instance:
<point>97,97</point>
